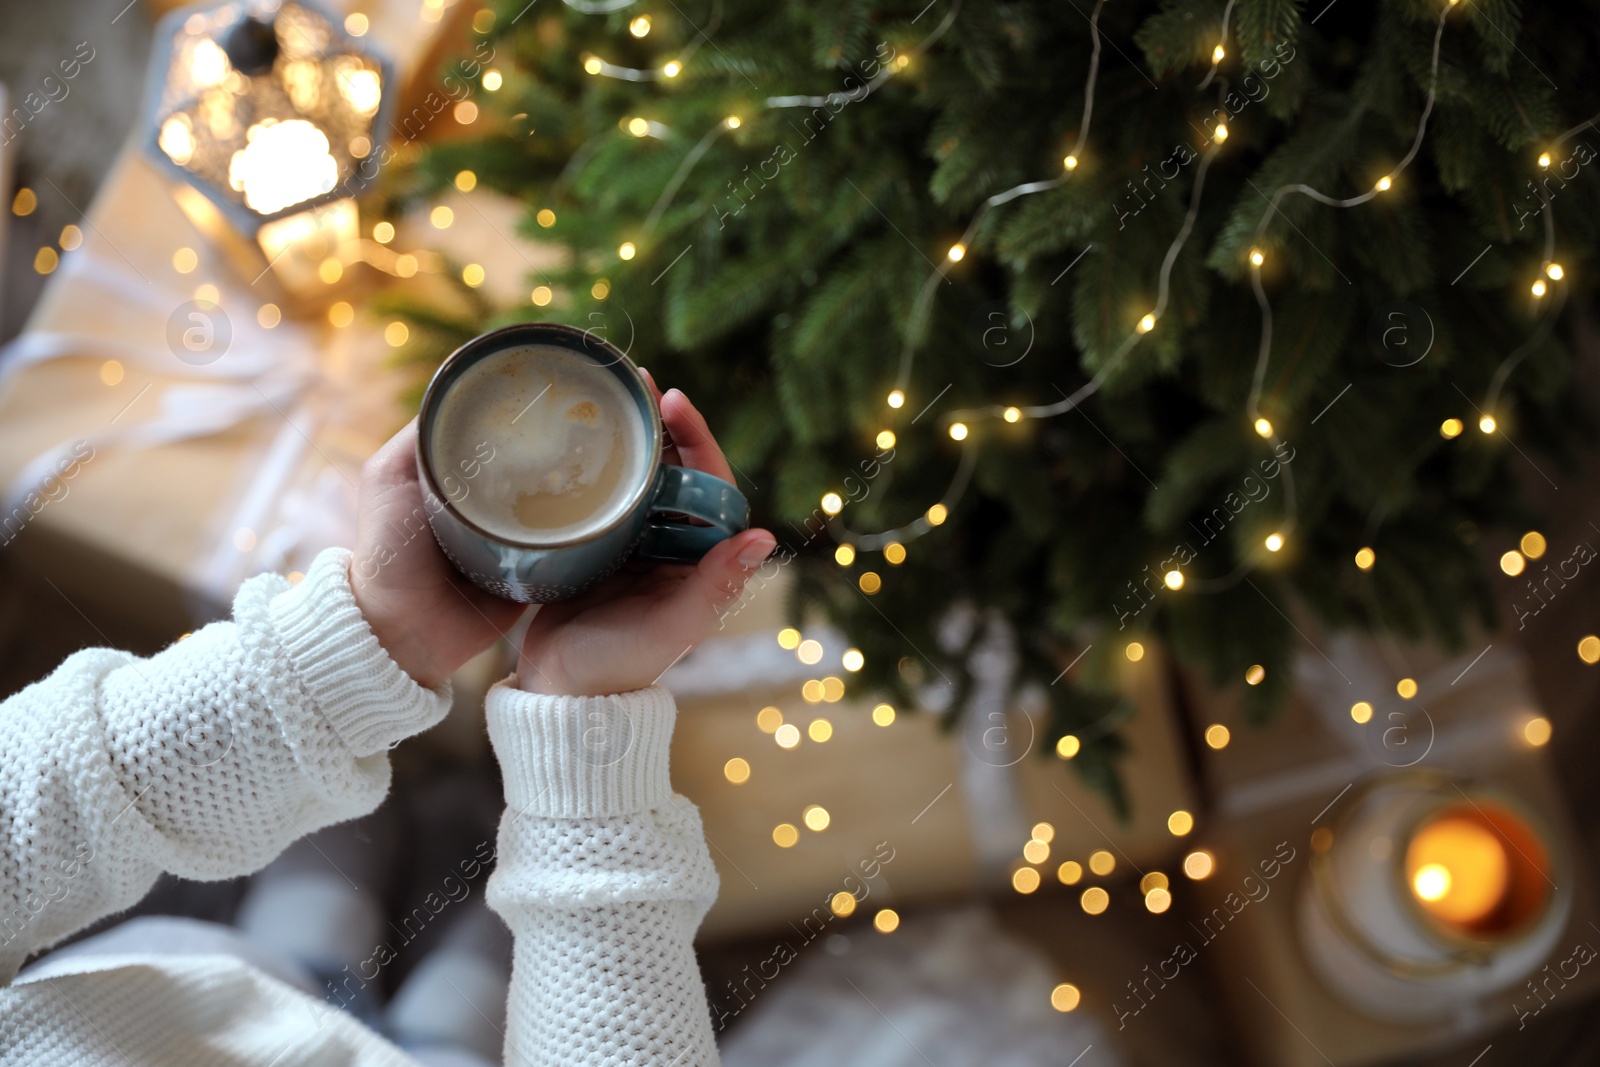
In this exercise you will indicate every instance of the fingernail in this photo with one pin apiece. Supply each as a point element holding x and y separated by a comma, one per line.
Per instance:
<point>754,553</point>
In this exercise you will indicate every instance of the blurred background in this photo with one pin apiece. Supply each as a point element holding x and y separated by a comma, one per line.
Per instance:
<point>1178,426</point>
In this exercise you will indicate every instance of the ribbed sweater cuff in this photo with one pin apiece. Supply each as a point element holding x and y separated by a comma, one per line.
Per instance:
<point>582,757</point>
<point>363,694</point>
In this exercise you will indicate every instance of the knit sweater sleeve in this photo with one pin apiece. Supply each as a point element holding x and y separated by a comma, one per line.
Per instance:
<point>603,877</point>
<point>204,760</point>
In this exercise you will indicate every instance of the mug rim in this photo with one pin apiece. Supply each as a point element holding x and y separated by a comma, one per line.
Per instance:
<point>560,335</point>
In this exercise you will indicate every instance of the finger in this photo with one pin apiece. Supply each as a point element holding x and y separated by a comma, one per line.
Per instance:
<point>714,585</point>
<point>650,380</point>
<point>395,463</point>
<point>696,446</point>
<point>669,448</point>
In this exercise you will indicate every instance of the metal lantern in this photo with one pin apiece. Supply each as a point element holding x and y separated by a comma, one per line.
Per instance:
<point>269,115</point>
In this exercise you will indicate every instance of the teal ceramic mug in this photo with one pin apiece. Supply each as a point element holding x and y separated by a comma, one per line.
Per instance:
<point>649,525</point>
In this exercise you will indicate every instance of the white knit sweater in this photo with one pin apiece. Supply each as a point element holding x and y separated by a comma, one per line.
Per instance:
<point>207,759</point>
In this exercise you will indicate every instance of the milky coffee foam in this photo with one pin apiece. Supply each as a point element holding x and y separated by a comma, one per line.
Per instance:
<point>569,444</point>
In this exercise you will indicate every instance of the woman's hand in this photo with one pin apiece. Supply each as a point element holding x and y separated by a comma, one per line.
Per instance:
<point>425,613</point>
<point>624,633</point>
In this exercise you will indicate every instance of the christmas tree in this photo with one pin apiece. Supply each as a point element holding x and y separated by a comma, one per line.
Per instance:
<point>1095,323</point>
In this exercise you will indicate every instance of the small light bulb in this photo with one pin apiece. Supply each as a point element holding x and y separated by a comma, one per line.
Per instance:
<point>1257,257</point>
<point>1012,415</point>
<point>958,431</point>
<point>1263,427</point>
<point>1487,424</point>
<point>886,439</point>
<point>1384,183</point>
<point>639,127</point>
<point>1544,159</point>
<point>593,65</point>
<point>1221,134</point>
<point>1147,323</point>
<point>733,122</point>
<point>832,503</point>
<point>672,69</point>
<point>1450,428</point>
<point>897,399</point>
<point>1538,287</point>
<point>1555,271</point>
<point>1071,162</point>
<point>1174,579</point>
<point>627,250</point>
<point>1274,542</point>
<point>1365,558</point>
<point>1218,53</point>
<point>640,26</point>
<point>957,252</point>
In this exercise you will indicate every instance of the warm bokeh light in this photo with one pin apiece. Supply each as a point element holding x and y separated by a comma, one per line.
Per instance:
<point>958,431</point>
<point>1173,579</point>
<point>883,715</point>
<point>1589,648</point>
<point>1068,746</point>
<point>1406,687</point>
<point>844,555</point>
<point>466,180</point>
<point>1487,424</point>
<point>1043,831</point>
<point>1536,731</point>
<point>887,921</point>
<point>1513,563</point>
<point>768,719</point>
<point>816,818</point>
<point>787,735</point>
<point>1458,868</point>
<point>957,252</point>
<point>1065,997</point>
<point>843,904</point>
<point>869,582</point>
<point>1134,651</point>
<point>1025,879</point>
<point>1274,542</point>
<point>1094,900</point>
<point>1532,544</point>
<point>1035,851</point>
<point>885,439</point>
<point>1070,872</point>
<point>832,503</point>
<point>736,771</point>
<point>853,659</point>
<point>1451,428</point>
<point>396,333</point>
<point>383,232</point>
<point>896,398</point>
<point>1179,823</point>
<point>1102,862</point>
<point>1146,323</point>
<point>820,730</point>
<point>784,835</point>
<point>1365,558</point>
<point>545,218</point>
<point>1263,428</point>
<point>1218,736</point>
<point>937,514</point>
<point>1012,414</point>
<point>185,260</point>
<point>894,552</point>
<point>1361,711</point>
<point>542,295</point>
<point>1255,675</point>
<point>441,217</point>
<point>1199,864</point>
<point>1153,880</point>
<point>1157,900</point>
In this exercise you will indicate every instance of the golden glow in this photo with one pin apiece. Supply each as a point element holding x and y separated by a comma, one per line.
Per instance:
<point>883,715</point>
<point>732,122</point>
<point>1068,746</point>
<point>1365,558</point>
<point>815,817</point>
<point>207,294</point>
<point>1536,731</point>
<point>1065,997</point>
<point>844,555</point>
<point>545,218</point>
<point>1094,900</point>
<point>111,372</point>
<point>787,735</point>
<point>1043,831</point>
<point>1406,687</point>
<point>1257,257</point>
<point>593,65</point>
<point>1180,823</point>
<point>853,660</point>
<point>1263,427</point>
<point>268,315</point>
<point>672,69</point>
<point>1450,428</point>
<point>789,637</point>
<point>626,250</point>
<point>441,217</point>
<point>208,64</point>
<point>383,232</point>
<point>1512,563</point>
<point>1274,542</point>
<point>1538,288</point>
<point>1544,159</point>
<point>1153,880</point>
<point>809,652</point>
<point>869,582</point>
<point>466,180</point>
<point>283,164</point>
<point>1102,862</point>
<point>640,26</point>
<point>768,719</point>
<point>1157,900</point>
<point>542,295</point>
<point>1361,712</point>
<point>885,439</point>
<point>483,20</point>
<point>1255,674</point>
<point>896,398</point>
<point>1221,133</point>
<point>396,333</point>
<point>1533,544</point>
<point>184,260</point>
<point>24,202</point>
<point>1384,184</point>
<point>177,139</point>
<point>330,270</point>
<point>957,252</point>
<point>1070,872</point>
<point>1589,648</point>
<point>832,503</point>
<point>736,771</point>
<point>341,314</point>
<point>820,730</point>
<point>1147,323</point>
<point>639,127</point>
<point>958,431</point>
<point>1012,414</point>
<point>1035,851</point>
<point>894,552</point>
<point>937,514</point>
<point>45,260</point>
<point>1458,869</point>
<point>1199,864</point>
<point>492,80</point>
<point>1134,651</point>
<point>832,692</point>
<point>812,691</point>
<point>784,835</point>
<point>1487,424</point>
<point>405,265</point>
<point>1173,579</point>
<point>1218,53</point>
<point>1554,271</point>
<point>887,921</point>
<point>1217,736</point>
<point>473,275</point>
<point>1071,162</point>
<point>1025,880</point>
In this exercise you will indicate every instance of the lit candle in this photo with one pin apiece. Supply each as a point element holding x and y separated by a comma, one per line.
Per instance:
<point>1458,869</point>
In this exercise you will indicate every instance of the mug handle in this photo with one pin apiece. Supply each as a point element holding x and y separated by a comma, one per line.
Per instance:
<point>697,494</point>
